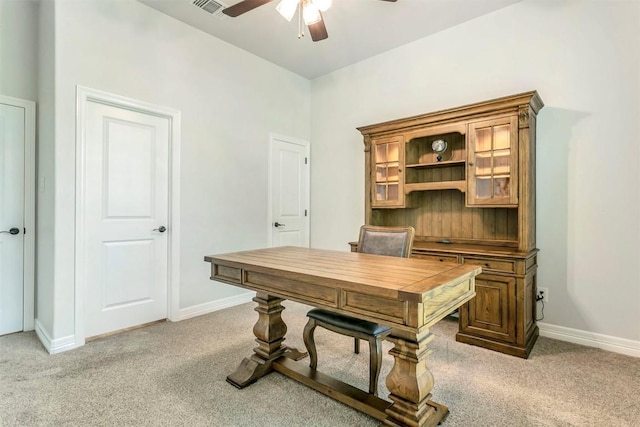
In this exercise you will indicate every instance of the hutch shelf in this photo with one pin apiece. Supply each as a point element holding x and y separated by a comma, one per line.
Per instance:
<point>464,178</point>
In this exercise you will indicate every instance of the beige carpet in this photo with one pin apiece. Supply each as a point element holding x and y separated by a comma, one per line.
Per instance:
<point>173,374</point>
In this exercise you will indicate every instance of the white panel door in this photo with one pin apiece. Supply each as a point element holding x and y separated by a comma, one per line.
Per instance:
<point>289,193</point>
<point>125,212</point>
<point>12,149</point>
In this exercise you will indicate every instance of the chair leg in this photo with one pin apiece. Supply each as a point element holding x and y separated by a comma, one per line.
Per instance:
<point>310,343</point>
<point>375,363</point>
<point>356,345</point>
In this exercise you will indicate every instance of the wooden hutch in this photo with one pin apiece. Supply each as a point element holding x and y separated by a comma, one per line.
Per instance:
<point>464,178</point>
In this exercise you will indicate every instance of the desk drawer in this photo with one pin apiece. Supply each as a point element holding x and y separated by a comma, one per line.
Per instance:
<point>492,264</point>
<point>301,291</point>
<point>437,257</point>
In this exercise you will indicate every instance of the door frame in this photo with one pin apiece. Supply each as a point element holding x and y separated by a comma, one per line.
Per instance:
<point>307,145</point>
<point>28,274</point>
<point>83,96</point>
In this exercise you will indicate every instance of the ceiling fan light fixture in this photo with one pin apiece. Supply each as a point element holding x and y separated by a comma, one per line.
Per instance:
<point>310,12</point>
<point>322,5</point>
<point>287,8</point>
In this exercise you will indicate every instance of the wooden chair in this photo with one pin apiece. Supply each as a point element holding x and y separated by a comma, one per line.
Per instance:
<point>389,241</point>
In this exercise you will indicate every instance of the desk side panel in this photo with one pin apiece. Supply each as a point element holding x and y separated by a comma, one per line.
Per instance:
<point>226,274</point>
<point>443,300</point>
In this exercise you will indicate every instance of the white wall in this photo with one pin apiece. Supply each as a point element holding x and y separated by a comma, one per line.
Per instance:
<point>229,105</point>
<point>18,48</point>
<point>45,289</point>
<point>583,58</point>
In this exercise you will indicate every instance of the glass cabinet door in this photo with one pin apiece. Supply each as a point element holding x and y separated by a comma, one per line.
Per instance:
<point>386,180</point>
<point>492,162</point>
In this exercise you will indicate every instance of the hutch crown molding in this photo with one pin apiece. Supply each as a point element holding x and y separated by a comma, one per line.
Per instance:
<point>464,178</point>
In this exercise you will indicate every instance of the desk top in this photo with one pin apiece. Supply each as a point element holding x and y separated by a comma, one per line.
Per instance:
<point>404,279</point>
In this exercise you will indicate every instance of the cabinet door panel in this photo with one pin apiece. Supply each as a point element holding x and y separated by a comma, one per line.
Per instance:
<point>492,312</point>
<point>387,180</point>
<point>492,161</point>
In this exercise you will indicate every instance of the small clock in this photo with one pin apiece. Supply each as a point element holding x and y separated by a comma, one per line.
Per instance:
<point>439,146</point>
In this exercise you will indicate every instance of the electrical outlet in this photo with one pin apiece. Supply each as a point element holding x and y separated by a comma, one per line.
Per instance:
<point>544,292</point>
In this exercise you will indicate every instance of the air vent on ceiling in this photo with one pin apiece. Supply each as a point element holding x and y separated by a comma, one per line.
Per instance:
<point>212,6</point>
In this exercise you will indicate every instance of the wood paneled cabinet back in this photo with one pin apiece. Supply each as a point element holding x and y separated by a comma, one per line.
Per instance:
<point>464,178</point>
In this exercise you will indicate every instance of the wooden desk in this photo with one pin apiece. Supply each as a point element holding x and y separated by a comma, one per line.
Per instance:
<point>410,295</point>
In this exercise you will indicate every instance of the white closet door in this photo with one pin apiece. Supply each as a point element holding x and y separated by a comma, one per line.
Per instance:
<point>126,201</point>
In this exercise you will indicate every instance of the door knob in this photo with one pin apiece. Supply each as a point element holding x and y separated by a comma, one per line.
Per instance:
<point>277,224</point>
<point>161,229</point>
<point>13,230</point>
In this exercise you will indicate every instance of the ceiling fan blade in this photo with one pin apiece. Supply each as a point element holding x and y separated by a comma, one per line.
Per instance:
<point>318,30</point>
<point>243,7</point>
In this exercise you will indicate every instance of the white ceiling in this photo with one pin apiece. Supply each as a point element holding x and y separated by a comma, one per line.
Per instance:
<point>358,29</point>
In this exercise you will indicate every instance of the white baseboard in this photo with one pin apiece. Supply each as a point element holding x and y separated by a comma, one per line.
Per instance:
<point>590,339</point>
<point>58,345</point>
<point>210,307</point>
<point>576,336</point>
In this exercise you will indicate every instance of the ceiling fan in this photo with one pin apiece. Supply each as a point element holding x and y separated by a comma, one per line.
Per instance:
<point>309,11</point>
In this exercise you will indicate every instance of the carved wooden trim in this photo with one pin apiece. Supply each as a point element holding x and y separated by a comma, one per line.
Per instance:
<point>523,117</point>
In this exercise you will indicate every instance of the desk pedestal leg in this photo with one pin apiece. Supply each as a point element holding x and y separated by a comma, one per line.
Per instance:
<point>410,383</point>
<point>269,331</point>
